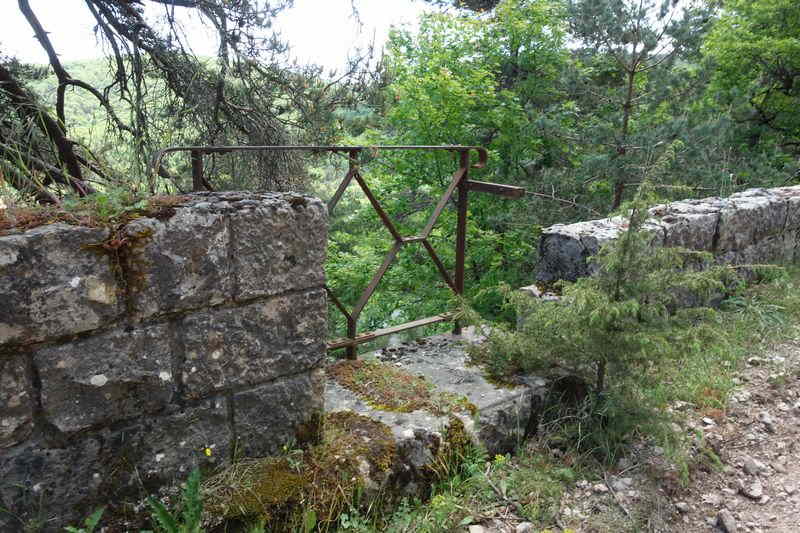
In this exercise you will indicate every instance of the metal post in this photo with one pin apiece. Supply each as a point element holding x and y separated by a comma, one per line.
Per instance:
<point>461,231</point>
<point>351,352</point>
<point>197,170</point>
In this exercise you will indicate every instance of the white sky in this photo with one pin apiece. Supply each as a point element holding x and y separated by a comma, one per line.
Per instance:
<point>319,31</point>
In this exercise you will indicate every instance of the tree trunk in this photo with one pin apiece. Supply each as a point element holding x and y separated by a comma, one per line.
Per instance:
<point>27,108</point>
<point>622,145</point>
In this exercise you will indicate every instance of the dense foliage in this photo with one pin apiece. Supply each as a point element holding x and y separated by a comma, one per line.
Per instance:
<point>575,101</point>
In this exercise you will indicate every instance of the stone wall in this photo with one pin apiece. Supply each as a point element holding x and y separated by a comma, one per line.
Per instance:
<point>130,355</point>
<point>753,226</point>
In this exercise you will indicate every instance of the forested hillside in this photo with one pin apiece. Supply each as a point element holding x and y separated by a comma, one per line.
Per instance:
<point>575,100</point>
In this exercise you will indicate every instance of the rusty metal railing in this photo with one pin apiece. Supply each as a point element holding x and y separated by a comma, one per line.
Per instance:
<point>459,182</point>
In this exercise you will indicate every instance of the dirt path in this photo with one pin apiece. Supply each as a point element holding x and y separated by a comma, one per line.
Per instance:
<point>757,442</point>
<point>746,470</point>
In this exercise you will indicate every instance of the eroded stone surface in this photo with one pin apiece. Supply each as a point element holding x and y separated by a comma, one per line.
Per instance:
<point>16,401</point>
<point>504,415</point>
<point>47,485</point>
<point>279,246</point>
<point>253,344</point>
<point>750,227</point>
<point>108,377</point>
<point>417,435</point>
<point>56,281</point>
<point>291,407</point>
<point>749,219</point>
<point>166,449</point>
<point>64,484</point>
<point>180,263</point>
<point>689,224</point>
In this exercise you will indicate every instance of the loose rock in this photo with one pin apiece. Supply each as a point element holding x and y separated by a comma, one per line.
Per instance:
<point>754,491</point>
<point>524,527</point>
<point>726,522</point>
<point>753,466</point>
<point>769,422</point>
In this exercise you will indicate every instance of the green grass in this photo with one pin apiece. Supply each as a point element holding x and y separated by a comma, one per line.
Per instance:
<point>529,484</point>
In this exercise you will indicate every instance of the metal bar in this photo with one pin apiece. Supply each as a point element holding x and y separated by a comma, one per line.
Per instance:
<point>366,337</point>
<point>338,303</point>
<point>439,264</point>
<point>197,170</point>
<point>373,284</point>
<point>461,231</point>
<point>459,180</point>
<point>509,191</point>
<point>457,177</point>
<point>340,190</point>
<point>483,155</point>
<point>378,208</point>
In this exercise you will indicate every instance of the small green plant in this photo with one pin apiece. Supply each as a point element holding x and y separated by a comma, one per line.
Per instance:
<point>191,515</point>
<point>90,523</point>
<point>107,205</point>
<point>309,520</point>
<point>624,319</point>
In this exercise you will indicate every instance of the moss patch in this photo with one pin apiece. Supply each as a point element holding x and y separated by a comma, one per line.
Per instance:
<point>326,478</point>
<point>86,214</point>
<point>389,388</point>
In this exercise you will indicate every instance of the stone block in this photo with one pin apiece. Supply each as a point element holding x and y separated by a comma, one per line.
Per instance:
<point>106,378</point>
<point>505,414</point>
<point>774,249</point>
<point>279,245</point>
<point>180,263</point>
<point>791,245</point>
<point>564,250</point>
<point>16,400</point>
<point>691,225</point>
<point>253,344</point>
<point>64,484</point>
<point>55,280</point>
<point>49,486</point>
<point>165,449</point>
<point>750,219</point>
<point>285,410</point>
<point>791,195</point>
<point>417,435</point>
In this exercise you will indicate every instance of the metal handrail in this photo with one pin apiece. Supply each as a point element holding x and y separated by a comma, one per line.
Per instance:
<point>459,181</point>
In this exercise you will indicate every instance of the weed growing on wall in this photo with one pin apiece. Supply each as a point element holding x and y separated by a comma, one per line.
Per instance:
<point>102,209</point>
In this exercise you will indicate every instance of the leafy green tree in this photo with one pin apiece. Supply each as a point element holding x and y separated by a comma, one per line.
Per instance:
<point>627,42</point>
<point>473,81</point>
<point>755,48</point>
